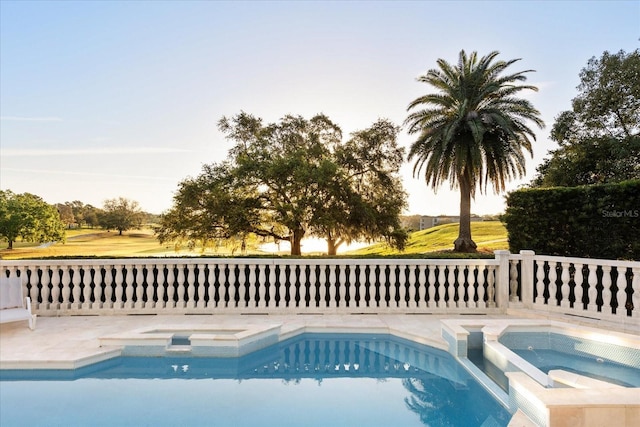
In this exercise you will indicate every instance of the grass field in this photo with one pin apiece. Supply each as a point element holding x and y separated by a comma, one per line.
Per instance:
<point>489,236</point>
<point>84,243</point>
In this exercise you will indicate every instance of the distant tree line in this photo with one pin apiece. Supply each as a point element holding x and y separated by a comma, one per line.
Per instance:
<point>29,218</point>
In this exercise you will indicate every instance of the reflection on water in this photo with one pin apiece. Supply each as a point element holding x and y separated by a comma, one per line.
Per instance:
<point>314,379</point>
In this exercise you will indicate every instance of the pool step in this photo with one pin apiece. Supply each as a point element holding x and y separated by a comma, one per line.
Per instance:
<point>180,349</point>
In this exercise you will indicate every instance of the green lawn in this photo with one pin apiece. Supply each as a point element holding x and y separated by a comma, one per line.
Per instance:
<point>437,241</point>
<point>489,236</point>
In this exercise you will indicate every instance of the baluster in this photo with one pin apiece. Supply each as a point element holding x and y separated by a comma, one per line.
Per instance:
<point>481,291</point>
<point>55,289</point>
<point>553,286</point>
<point>431,286</point>
<point>119,288</point>
<point>389,295</point>
<point>578,290</point>
<point>593,290</point>
<point>361,286</point>
<point>353,285</point>
<point>460,278</point>
<point>86,290</point>
<point>171,286</point>
<point>539,283</point>
<point>415,295</point>
<point>442,278</point>
<point>513,281</point>
<point>77,291</point>
<point>342,294</point>
<point>401,277</point>
<point>621,297</point>
<point>223,280</point>
<point>149,302</point>
<point>191,288</point>
<point>469,279</point>
<point>129,303</point>
<point>635,296</point>
<point>305,275</point>
<point>414,284</point>
<point>66,289</point>
<point>95,275</point>
<point>233,302</point>
<point>211,290</point>
<point>249,287</point>
<point>451,290</point>
<point>108,287</point>
<point>181,287</point>
<point>281,302</point>
<point>139,286</point>
<point>606,290</point>
<point>491,290</point>
<point>372,287</point>
<point>45,291</point>
<point>322,283</point>
<point>163,289</point>
<point>565,289</point>
<point>262,283</point>
<point>332,286</point>
<point>401,287</point>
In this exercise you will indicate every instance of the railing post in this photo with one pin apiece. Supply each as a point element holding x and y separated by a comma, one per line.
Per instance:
<point>502,279</point>
<point>526,277</point>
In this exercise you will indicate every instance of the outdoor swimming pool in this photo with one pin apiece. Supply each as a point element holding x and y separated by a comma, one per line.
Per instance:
<point>311,380</point>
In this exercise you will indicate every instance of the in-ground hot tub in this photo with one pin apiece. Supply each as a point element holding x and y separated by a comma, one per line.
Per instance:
<point>195,341</point>
<point>562,388</point>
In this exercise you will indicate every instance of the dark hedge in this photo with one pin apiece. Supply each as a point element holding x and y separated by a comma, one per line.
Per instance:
<point>595,221</point>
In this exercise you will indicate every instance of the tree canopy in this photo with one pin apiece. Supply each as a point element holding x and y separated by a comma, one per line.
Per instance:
<point>599,138</point>
<point>120,214</point>
<point>291,179</point>
<point>30,218</point>
<point>472,130</point>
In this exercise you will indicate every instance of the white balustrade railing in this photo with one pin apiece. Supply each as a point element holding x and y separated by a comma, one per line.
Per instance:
<point>597,289</point>
<point>591,288</point>
<point>219,285</point>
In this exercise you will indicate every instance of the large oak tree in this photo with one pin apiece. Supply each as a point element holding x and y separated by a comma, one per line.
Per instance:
<point>291,179</point>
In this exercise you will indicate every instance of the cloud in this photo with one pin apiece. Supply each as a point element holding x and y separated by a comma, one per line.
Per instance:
<point>29,119</point>
<point>34,152</point>
<point>110,175</point>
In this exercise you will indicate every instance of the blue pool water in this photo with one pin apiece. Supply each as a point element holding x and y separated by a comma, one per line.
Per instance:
<point>310,380</point>
<point>603,361</point>
<point>593,367</point>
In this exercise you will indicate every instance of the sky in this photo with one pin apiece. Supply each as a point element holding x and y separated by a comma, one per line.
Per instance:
<point>100,100</point>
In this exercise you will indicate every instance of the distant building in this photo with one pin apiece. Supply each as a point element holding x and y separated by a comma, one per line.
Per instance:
<point>431,221</point>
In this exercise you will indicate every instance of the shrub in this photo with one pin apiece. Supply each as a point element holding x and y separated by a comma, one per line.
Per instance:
<point>596,221</point>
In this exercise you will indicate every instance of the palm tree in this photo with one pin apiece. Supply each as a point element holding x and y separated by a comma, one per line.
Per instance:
<point>472,130</point>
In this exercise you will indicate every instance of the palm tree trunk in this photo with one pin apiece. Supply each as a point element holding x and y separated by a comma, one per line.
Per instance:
<point>464,243</point>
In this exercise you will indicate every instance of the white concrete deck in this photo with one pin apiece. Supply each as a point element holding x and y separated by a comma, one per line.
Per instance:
<point>74,341</point>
